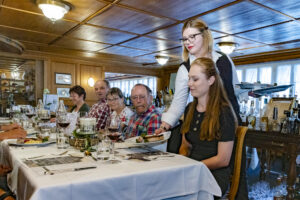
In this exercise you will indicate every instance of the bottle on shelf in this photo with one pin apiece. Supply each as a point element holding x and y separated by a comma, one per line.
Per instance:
<point>286,124</point>
<point>157,100</point>
<point>264,118</point>
<point>251,117</point>
<point>276,126</point>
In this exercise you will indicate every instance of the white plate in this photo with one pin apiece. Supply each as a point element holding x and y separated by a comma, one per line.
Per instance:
<point>14,143</point>
<point>132,141</point>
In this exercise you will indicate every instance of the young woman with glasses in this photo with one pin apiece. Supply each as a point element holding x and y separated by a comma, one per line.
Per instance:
<point>197,42</point>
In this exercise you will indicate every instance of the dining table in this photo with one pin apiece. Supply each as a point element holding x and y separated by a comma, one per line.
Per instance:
<point>42,172</point>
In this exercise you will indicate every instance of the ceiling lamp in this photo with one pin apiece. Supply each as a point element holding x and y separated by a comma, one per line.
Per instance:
<point>227,47</point>
<point>162,59</point>
<point>53,9</point>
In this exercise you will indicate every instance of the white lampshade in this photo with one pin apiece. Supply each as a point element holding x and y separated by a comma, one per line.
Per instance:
<point>91,82</point>
<point>227,47</point>
<point>53,9</point>
<point>162,59</point>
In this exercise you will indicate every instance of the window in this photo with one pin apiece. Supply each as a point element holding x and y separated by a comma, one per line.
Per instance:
<point>265,74</point>
<point>297,81</point>
<point>280,72</point>
<point>283,78</point>
<point>251,75</point>
<point>240,74</point>
<point>127,84</point>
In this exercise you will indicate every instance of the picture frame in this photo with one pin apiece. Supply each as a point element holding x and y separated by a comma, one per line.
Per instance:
<point>63,79</point>
<point>63,92</point>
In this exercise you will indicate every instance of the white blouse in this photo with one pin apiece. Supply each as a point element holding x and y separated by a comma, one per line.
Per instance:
<point>182,97</point>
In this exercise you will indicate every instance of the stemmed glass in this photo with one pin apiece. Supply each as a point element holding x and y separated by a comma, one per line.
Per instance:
<point>63,122</point>
<point>113,132</point>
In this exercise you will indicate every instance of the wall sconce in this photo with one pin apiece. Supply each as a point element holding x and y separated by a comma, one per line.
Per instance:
<point>91,82</point>
<point>227,47</point>
<point>162,59</point>
<point>53,9</point>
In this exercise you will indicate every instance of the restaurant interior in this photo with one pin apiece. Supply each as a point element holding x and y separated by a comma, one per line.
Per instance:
<point>124,40</point>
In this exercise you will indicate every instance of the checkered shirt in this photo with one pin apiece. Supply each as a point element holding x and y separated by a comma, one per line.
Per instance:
<point>147,122</point>
<point>101,112</point>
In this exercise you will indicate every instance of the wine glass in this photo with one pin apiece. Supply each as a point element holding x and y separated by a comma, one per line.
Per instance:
<point>113,132</point>
<point>63,122</point>
<point>44,115</point>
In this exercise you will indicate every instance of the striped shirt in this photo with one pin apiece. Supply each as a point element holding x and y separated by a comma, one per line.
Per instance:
<point>147,122</point>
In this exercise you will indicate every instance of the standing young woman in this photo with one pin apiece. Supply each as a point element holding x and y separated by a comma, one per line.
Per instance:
<point>209,125</point>
<point>197,42</point>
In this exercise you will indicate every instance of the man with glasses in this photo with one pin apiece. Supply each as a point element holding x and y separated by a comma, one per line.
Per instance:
<point>100,110</point>
<point>145,119</point>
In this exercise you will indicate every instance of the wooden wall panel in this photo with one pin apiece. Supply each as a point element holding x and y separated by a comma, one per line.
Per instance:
<point>87,71</point>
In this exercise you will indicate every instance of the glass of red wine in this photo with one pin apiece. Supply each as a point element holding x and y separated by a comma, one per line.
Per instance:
<point>63,121</point>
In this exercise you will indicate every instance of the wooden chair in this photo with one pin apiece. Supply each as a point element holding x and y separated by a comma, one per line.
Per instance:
<point>235,179</point>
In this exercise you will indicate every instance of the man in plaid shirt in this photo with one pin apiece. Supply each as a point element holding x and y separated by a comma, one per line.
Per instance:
<point>100,110</point>
<point>145,119</point>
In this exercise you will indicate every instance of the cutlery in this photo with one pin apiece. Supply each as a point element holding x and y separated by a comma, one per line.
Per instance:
<point>52,172</point>
<point>47,171</point>
<point>34,157</point>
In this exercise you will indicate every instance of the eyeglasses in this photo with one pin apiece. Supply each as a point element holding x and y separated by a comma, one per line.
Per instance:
<point>135,98</point>
<point>190,38</point>
<point>114,99</point>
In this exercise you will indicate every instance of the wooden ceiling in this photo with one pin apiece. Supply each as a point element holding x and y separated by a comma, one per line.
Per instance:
<point>138,30</point>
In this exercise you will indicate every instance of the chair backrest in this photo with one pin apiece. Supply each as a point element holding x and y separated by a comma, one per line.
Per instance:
<point>240,134</point>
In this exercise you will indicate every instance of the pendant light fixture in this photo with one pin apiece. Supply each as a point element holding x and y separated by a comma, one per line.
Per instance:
<point>227,47</point>
<point>53,9</point>
<point>161,59</point>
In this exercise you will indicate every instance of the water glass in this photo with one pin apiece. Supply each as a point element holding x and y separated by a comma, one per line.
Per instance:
<point>103,150</point>
<point>62,141</point>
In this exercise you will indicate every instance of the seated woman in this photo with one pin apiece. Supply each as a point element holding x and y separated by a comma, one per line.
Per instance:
<point>115,101</point>
<point>208,130</point>
<point>78,95</point>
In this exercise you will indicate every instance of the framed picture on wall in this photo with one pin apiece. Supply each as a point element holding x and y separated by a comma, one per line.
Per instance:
<point>63,92</point>
<point>63,79</point>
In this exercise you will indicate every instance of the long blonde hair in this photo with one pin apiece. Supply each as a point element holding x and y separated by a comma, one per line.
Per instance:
<point>207,37</point>
<point>217,101</point>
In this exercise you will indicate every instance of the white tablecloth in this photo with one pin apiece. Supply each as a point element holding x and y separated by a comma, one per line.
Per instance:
<point>164,178</point>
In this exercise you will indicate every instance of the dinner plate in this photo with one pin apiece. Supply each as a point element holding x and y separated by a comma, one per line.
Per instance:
<point>14,143</point>
<point>132,141</point>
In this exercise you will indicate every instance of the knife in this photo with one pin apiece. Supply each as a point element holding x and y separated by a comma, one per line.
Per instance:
<point>83,168</point>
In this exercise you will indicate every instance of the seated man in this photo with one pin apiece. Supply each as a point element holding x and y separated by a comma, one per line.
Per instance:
<point>100,110</point>
<point>145,119</point>
<point>11,131</point>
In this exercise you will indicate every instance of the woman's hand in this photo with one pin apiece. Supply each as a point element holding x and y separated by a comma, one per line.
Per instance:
<point>163,128</point>
<point>10,127</point>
